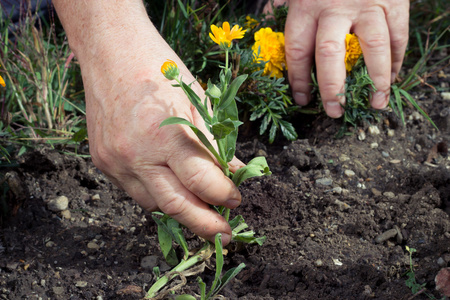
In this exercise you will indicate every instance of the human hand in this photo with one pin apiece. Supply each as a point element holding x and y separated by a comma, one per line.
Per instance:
<point>127,98</point>
<point>317,28</point>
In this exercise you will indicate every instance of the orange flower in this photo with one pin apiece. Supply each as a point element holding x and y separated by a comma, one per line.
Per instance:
<point>170,69</point>
<point>270,46</point>
<point>352,51</point>
<point>2,82</point>
<point>223,36</point>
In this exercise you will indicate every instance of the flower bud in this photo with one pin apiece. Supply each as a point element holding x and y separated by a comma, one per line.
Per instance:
<point>170,70</point>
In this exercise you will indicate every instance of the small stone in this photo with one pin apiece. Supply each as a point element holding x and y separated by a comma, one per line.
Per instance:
<point>442,281</point>
<point>374,145</point>
<point>81,284</point>
<point>441,261</point>
<point>373,130</point>
<point>149,262</point>
<point>11,266</point>
<point>384,154</point>
<point>58,204</point>
<point>395,161</point>
<point>50,244</point>
<point>58,290</point>
<point>344,157</point>
<point>390,132</point>
<point>43,282</point>
<point>389,195</point>
<point>261,152</point>
<point>318,263</point>
<point>361,135</point>
<point>418,147</point>
<point>342,205</point>
<point>367,291</point>
<point>66,214</point>
<point>337,190</point>
<point>349,173</point>
<point>445,95</point>
<point>95,197</point>
<point>93,246</point>
<point>375,192</point>
<point>324,181</point>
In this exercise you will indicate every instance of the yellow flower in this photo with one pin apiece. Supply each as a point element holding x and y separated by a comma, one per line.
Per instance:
<point>170,69</point>
<point>271,50</point>
<point>352,51</point>
<point>2,82</point>
<point>250,22</point>
<point>223,36</point>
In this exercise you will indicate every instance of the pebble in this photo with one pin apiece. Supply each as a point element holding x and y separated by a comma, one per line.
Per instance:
<point>324,181</point>
<point>342,205</point>
<point>43,282</point>
<point>344,157</point>
<point>58,204</point>
<point>374,145</point>
<point>58,290</point>
<point>373,130</point>
<point>349,173</point>
<point>391,132</point>
<point>149,262</point>
<point>318,263</point>
<point>386,236</point>
<point>385,154</point>
<point>95,197</point>
<point>66,214</point>
<point>395,161</point>
<point>375,192</point>
<point>261,152</point>
<point>93,245</point>
<point>445,95</point>
<point>50,244</point>
<point>389,195</point>
<point>361,135</point>
<point>337,190</point>
<point>441,261</point>
<point>81,284</point>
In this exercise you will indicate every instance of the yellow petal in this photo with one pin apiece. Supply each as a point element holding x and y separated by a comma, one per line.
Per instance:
<point>2,82</point>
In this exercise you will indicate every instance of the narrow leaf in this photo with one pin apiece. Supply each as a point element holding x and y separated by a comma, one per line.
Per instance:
<point>256,167</point>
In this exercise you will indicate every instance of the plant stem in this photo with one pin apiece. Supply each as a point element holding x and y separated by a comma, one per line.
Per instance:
<point>204,253</point>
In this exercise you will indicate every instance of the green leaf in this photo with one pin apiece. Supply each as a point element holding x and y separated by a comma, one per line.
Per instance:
<point>221,129</point>
<point>272,132</point>
<point>248,237</point>
<point>80,135</point>
<point>185,297</point>
<point>200,135</point>
<point>202,287</point>
<point>219,265</point>
<point>413,102</point>
<point>231,92</point>
<point>288,130</point>
<point>256,167</point>
<point>181,240</point>
<point>165,239</point>
<point>230,274</point>
<point>195,100</point>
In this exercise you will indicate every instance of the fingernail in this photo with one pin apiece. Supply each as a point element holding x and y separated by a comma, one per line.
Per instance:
<point>233,203</point>
<point>226,239</point>
<point>333,109</point>
<point>379,100</point>
<point>393,76</point>
<point>301,99</point>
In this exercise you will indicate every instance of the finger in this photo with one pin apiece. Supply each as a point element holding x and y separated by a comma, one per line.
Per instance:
<point>139,193</point>
<point>398,22</point>
<point>197,171</point>
<point>300,38</point>
<point>330,62</point>
<point>235,164</point>
<point>175,200</point>
<point>373,34</point>
<point>268,8</point>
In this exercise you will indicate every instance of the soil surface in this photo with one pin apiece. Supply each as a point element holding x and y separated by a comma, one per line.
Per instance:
<point>337,214</point>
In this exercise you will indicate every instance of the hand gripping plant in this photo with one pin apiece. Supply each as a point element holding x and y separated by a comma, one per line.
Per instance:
<point>223,125</point>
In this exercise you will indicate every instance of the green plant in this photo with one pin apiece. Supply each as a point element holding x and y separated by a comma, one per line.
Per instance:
<point>41,102</point>
<point>411,282</point>
<point>223,125</point>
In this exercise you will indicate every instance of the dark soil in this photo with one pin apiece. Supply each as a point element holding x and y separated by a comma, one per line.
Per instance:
<point>323,211</point>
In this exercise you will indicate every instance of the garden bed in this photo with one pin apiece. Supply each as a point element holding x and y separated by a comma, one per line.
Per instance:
<point>323,211</point>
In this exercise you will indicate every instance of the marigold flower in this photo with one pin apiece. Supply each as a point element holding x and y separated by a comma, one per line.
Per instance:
<point>250,22</point>
<point>270,46</point>
<point>170,69</point>
<point>352,51</point>
<point>223,36</point>
<point>2,82</point>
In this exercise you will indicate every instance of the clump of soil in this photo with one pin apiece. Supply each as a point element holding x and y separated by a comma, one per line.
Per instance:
<point>337,214</point>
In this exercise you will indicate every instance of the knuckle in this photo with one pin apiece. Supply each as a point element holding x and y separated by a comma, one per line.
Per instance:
<point>377,42</point>
<point>194,181</point>
<point>295,52</point>
<point>174,206</point>
<point>329,48</point>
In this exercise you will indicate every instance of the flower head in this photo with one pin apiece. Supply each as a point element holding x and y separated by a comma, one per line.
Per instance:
<point>223,36</point>
<point>352,51</point>
<point>170,69</point>
<point>250,23</point>
<point>270,46</point>
<point>2,82</point>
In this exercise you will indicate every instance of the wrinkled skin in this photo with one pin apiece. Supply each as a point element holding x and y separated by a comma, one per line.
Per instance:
<point>317,28</point>
<point>120,53</point>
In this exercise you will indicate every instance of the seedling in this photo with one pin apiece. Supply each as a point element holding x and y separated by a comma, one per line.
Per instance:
<point>223,125</point>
